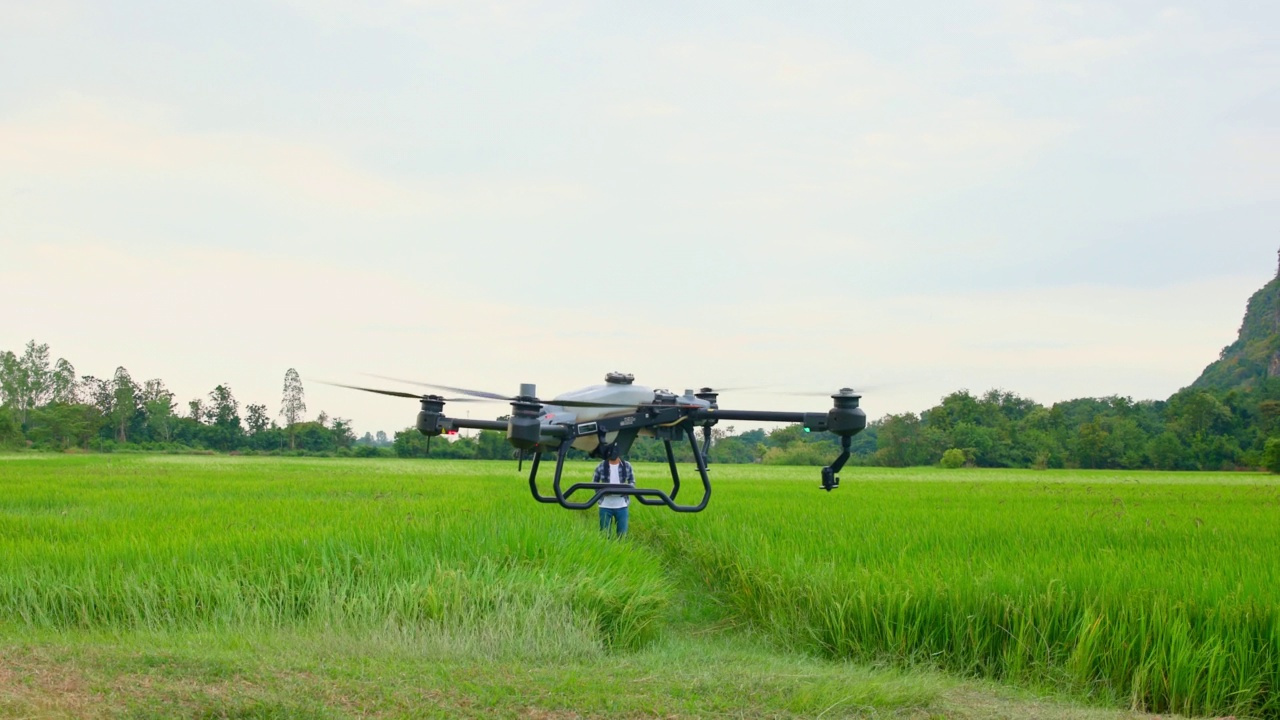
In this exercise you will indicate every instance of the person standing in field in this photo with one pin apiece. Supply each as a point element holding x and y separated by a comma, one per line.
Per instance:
<point>613,507</point>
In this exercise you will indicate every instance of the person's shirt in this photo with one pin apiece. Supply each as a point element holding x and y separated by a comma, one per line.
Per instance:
<point>619,474</point>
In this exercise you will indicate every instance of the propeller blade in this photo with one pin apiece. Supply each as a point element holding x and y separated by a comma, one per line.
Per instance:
<point>485,395</point>
<point>473,393</point>
<point>393,393</point>
<point>826,393</point>
<point>583,403</point>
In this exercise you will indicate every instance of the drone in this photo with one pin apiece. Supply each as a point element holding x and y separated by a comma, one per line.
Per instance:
<point>594,419</point>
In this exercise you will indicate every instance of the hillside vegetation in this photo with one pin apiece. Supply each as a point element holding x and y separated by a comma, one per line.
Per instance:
<point>1255,355</point>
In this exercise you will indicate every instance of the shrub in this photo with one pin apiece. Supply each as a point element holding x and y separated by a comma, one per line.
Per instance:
<point>1271,455</point>
<point>953,458</point>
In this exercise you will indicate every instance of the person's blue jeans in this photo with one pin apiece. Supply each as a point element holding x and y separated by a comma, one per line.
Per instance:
<point>616,516</point>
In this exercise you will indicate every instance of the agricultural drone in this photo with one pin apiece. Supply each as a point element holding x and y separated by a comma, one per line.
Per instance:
<point>617,412</point>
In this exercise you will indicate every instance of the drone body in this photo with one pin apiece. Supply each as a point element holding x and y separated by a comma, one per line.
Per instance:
<point>617,413</point>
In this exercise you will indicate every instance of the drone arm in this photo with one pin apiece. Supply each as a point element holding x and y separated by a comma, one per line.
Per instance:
<point>813,421</point>
<point>469,424</point>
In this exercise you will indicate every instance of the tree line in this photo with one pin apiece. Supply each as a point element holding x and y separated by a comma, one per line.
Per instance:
<point>45,405</point>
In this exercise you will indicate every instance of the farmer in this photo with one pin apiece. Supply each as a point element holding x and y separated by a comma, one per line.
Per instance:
<point>615,471</point>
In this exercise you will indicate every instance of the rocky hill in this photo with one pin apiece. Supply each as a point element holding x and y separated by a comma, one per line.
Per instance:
<point>1255,355</point>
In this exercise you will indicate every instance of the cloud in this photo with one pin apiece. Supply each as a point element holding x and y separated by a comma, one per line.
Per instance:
<point>79,137</point>
<point>83,150</point>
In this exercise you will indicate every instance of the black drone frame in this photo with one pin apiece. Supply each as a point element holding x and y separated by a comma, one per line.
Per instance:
<point>665,418</point>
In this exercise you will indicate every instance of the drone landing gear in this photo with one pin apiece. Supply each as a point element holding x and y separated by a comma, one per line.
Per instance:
<point>646,496</point>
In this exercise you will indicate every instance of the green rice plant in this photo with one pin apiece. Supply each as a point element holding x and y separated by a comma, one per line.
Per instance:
<point>1162,596</point>
<point>167,543</point>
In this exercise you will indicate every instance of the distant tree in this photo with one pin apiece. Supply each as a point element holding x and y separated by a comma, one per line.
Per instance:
<point>256,418</point>
<point>381,439</point>
<point>10,430</point>
<point>733,450</point>
<point>157,405</point>
<point>904,440</point>
<point>35,385</point>
<point>492,445</point>
<point>196,410</point>
<point>323,419</point>
<point>293,406</point>
<point>10,390</point>
<point>1271,455</point>
<point>63,387</point>
<point>27,382</point>
<point>343,437</point>
<point>314,437</point>
<point>124,404</point>
<point>98,393</point>
<point>64,425</point>
<point>224,416</point>
<point>411,443</point>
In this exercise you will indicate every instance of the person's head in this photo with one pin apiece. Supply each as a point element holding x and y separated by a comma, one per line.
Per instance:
<point>613,455</point>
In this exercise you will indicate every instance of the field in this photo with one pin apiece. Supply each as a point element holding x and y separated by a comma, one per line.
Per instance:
<point>154,586</point>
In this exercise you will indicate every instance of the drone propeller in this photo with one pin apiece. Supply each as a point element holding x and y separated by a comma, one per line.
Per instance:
<point>742,388</point>
<point>485,395</point>
<point>828,393</point>
<point>394,393</point>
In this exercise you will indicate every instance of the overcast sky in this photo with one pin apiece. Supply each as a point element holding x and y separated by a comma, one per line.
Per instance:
<point>1059,199</point>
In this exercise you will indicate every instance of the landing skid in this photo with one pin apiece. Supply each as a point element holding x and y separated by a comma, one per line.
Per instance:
<point>646,496</point>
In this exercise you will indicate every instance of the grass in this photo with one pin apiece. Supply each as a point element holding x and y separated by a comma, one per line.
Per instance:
<point>155,586</point>
<point>1111,586</point>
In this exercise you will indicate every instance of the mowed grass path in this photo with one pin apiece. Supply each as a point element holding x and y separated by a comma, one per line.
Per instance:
<point>1151,590</point>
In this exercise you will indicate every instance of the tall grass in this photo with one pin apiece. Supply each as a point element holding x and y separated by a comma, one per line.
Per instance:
<point>1163,597</point>
<point>1161,592</point>
<point>161,543</point>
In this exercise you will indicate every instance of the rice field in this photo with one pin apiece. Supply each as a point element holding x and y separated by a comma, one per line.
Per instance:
<point>1146,590</point>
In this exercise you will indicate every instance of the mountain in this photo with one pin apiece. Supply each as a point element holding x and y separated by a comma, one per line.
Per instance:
<point>1255,355</point>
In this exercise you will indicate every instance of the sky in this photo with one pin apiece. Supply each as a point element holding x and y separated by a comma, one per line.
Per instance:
<point>1061,199</point>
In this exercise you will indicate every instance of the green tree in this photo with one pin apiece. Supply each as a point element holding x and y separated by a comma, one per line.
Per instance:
<point>27,382</point>
<point>1271,455</point>
<point>343,437</point>
<point>256,418</point>
<point>123,404</point>
<point>490,445</point>
<point>157,405</point>
<point>64,425</point>
<point>225,429</point>
<point>293,406</point>
<point>1092,447</point>
<point>10,430</point>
